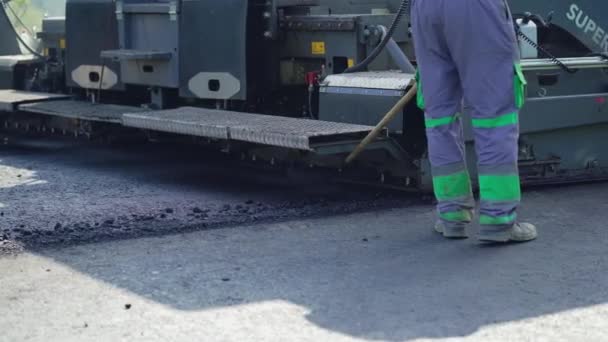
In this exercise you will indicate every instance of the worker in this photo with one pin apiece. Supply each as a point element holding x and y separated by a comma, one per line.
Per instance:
<point>468,59</point>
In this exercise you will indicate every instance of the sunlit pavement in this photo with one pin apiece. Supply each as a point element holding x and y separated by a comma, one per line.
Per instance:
<point>373,276</point>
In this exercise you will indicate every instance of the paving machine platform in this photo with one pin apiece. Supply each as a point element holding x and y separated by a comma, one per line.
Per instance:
<point>269,130</point>
<point>10,99</point>
<point>81,110</point>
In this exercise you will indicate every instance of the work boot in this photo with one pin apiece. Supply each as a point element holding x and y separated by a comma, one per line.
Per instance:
<point>454,231</point>
<point>519,232</point>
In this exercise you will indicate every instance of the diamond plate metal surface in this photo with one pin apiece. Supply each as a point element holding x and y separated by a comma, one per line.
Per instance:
<point>185,120</point>
<point>10,99</point>
<point>254,128</point>
<point>388,80</point>
<point>81,110</point>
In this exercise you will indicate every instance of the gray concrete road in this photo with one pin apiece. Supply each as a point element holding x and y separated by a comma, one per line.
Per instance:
<point>358,277</point>
<point>379,275</point>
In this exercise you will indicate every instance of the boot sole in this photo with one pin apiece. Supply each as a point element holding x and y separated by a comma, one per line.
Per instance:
<point>454,235</point>
<point>503,237</point>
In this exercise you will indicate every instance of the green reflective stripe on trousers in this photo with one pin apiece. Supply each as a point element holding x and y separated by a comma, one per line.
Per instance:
<point>500,121</point>
<point>453,186</point>
<point>499,188</point>
<point>432,123</point>
<point>499,220</point>
<point>457,216</point>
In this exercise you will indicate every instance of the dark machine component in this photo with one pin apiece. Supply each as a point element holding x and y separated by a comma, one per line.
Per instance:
<point>14,61</point>
<point>362,66</point>
<point>354,97</point>
<point>9,44</point>
<point>50,75</point>
<point>336,43</point>
<point>274,10</point>
<point>52,38</point>
<point>144,61</point>
<point>91,27</point>
<point>214,51</point>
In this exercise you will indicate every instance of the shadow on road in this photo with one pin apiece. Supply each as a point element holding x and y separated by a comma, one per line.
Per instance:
<point>377,275</point>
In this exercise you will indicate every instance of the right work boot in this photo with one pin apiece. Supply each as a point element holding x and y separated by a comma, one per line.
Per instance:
<point>519,232</point>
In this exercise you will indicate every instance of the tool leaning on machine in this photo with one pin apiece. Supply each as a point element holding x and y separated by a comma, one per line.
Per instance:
<point>297,83</point>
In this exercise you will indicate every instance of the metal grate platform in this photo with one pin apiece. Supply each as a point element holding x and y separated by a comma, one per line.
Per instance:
<point>255,128</point>
<point>81,110</point>
<point>10,99</point>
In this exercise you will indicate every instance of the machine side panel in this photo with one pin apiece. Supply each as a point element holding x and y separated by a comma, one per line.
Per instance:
<point>213,49</point>
<point>91,27</point>
<point>8,41</point>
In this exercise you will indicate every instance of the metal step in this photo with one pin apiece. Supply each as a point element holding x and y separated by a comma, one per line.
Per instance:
<point>10,99</point>
<point>120,55</point>
<point>81,110</point>
<point>279,131</point>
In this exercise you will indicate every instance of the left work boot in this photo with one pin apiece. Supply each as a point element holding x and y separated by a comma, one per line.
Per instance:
<point>455,231</point>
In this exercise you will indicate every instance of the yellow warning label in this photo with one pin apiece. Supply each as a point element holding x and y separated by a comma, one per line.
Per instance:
<point>318,48</point>
<point>351,62</point>
<point>62,43</point>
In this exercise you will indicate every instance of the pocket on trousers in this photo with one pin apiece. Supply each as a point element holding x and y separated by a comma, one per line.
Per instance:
<point>419,95</point>
<point>520,84</point>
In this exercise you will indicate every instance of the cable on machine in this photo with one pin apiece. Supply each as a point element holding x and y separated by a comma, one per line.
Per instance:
<point>17,35</point>
<point>526,17</point>
<point>389,35</point>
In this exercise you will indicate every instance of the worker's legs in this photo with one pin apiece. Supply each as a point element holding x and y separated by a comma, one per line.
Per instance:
<point>440,95</point>
<point>486,54</point>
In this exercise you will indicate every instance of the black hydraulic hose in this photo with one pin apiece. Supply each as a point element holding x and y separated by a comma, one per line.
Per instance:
<point>17,35</point>
<point>389,35</point>
<point>526,18</point>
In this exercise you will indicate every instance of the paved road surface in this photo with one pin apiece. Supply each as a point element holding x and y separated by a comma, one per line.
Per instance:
<point>379,275</point>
